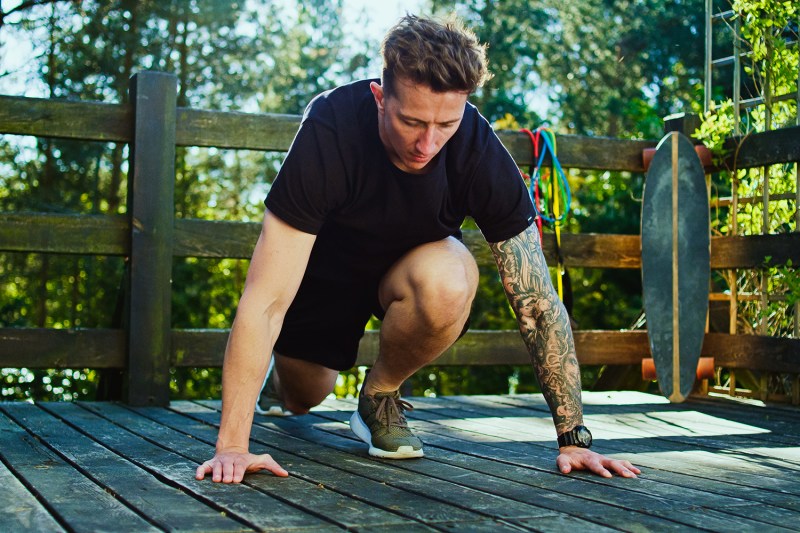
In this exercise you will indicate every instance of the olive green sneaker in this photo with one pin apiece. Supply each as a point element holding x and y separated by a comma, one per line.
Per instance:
<point>379,421</point>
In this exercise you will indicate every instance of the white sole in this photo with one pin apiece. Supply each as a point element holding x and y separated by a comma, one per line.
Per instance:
<point>275,410</point>
<point>361,430</point>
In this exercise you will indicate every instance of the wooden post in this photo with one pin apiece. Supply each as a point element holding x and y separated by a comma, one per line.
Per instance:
<point>151,207</point>
<point>686,123</point>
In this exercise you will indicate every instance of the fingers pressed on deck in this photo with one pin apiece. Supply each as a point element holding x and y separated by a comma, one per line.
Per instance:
<point>230,467</point>
<point>574,458</point>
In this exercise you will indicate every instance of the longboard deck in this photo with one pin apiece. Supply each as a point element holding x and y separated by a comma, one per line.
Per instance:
<point>675,262</point>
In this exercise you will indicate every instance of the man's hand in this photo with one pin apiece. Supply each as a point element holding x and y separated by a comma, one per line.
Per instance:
<point>574,458</point>
<point>230,466</point>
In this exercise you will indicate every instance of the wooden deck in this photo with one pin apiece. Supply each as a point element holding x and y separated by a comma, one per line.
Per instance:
<point>707,464</point>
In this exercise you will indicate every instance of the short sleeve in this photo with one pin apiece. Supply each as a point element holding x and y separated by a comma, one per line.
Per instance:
<point>305,190</point>
<point>499,200</point>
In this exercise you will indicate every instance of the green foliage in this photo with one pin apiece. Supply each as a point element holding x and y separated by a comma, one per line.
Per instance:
<point>256,56</point>
<point>196,383</point>
<point>47,385</point>
<point>784,279</point>
<point>770,68</point>
<point>608,68</point>
<point>766,26</point>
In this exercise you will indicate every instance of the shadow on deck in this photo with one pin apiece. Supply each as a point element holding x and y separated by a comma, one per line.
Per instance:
<point>707,464</point>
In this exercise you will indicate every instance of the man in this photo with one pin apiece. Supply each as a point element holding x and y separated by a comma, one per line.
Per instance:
<point>364,219</point>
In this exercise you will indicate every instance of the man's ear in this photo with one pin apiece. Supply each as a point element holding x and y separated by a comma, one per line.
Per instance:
<point>377,93</point>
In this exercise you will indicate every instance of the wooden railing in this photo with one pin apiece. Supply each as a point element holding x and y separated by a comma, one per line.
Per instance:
<point>150,236</point>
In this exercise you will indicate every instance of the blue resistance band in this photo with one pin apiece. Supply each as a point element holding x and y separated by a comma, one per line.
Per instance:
<point>561,176</point>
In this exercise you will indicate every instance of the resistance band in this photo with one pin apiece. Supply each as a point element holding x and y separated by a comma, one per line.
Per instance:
<point>559,193</point>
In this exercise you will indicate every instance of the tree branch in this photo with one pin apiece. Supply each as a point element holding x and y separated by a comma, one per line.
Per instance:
<point>23,6</point>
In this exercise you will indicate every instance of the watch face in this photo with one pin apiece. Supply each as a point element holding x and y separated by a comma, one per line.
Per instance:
<point>584,436</point>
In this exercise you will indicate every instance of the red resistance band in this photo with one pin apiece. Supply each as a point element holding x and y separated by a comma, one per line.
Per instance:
<point>534,137</point>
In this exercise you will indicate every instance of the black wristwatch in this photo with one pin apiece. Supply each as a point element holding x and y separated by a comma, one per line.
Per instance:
<point>579,436</point>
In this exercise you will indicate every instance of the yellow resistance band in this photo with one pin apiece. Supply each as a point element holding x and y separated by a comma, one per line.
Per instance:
<point>556,215</point>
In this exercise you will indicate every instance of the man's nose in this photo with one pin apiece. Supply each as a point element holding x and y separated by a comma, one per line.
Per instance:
<point>426,142</point>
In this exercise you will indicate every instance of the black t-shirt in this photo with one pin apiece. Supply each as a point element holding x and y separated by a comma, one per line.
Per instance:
<point>338,183</point>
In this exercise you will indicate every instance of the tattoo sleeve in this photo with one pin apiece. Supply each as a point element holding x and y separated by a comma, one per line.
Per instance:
<point>543,323</point>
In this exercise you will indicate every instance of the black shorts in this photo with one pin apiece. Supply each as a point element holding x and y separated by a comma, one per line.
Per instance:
<point>326,321</point>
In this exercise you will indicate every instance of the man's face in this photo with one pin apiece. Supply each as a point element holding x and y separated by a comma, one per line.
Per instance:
<point>414,122</point>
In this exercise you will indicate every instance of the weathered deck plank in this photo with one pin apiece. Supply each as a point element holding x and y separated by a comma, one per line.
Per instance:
<point>331,492</point>
<point>721,471</point>
<point>684,492</point>
<point>19,509</point>
<point>151,446</point>
<point>682,505</point>
<point>164,506</point>
<point>538,485</point>
<point>50,477</point>
<point>489,466</point>
<point>382,489</point>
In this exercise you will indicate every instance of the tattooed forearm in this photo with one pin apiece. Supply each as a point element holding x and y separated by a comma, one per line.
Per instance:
<point>544,324</point>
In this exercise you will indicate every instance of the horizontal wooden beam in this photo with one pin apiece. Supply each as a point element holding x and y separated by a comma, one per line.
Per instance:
<point>505,347</point>
<point>597,250</point>
<point>600,347</point>
<point>594,250</point>
<point>89,121</point>
<point>65,234</point>
<point>580,151</point>
<point>206,238</point>
<point>109,235</point>
<point>62,348</point>
<point>201,348</point>
<point>96,121</point>
<point>754,352</point>
<point>266,132</point>
<point>751,251</point>
<point>105,348</point>
<point>765,148</point>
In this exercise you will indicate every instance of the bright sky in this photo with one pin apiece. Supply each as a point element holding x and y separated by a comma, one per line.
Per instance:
<point>382,13</point>
<point>380,16</point>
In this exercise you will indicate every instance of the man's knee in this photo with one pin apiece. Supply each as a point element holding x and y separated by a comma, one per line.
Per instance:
<point>442,297</point>
<point>443,300</point>
<point>301,403</point>
<point>437,282</point>
<point>296,407</point>
<point>302,384</point>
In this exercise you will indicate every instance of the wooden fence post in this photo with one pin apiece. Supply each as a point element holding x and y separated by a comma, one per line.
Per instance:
<point>151,207</point>
<point>685,123</point>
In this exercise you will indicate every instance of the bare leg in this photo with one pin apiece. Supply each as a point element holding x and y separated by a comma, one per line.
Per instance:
<point>301,384</point>
<point>427,296</point>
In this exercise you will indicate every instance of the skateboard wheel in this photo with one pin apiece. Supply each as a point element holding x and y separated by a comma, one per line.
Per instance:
<point>704,154</point>
<point>647,157</point>
<point>648,369</point>
<point>705,368</point>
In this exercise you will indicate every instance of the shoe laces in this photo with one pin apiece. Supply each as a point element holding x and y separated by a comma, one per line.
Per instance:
<point>391,408</point>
